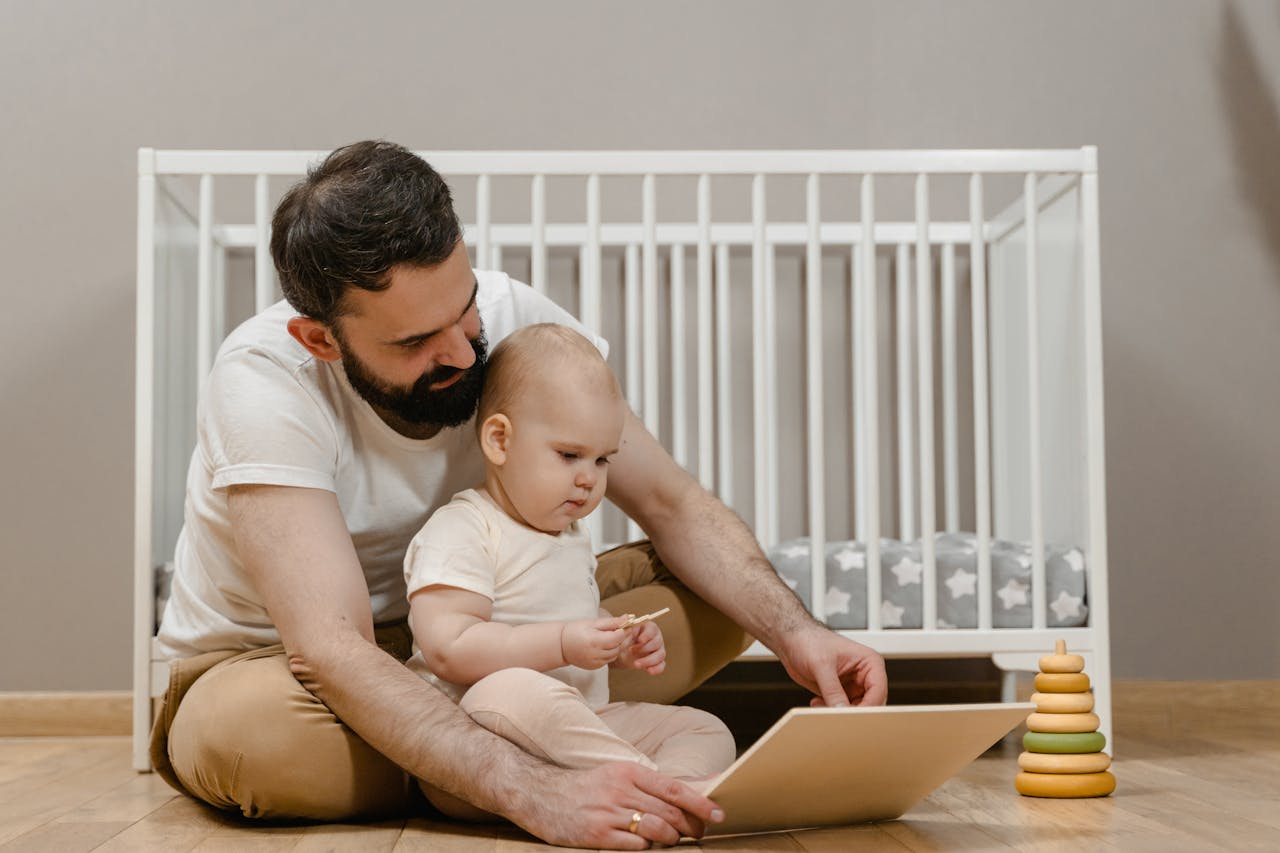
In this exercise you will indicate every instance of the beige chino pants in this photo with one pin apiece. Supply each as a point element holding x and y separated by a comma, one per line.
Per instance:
<point>240,733</point>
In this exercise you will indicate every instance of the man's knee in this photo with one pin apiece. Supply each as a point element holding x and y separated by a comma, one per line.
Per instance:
<point>248,737</point>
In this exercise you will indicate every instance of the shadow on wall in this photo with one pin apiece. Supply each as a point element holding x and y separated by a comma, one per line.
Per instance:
<point>1253,120</point>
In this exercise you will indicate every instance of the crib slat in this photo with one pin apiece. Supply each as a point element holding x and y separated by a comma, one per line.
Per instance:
<point>981,399</point>
<point>706,465</point>
<point>724,399</point>
<point>590,294</point>
<point>264,284</point>
<point>649,291</point>
<point>924,320</point>
<point>760,391</point>
<point>871,401</point>
<point>813,394</point>
<point>679,414</point>
<point>857,390</point>
<point>906,404</point>
<point>631,310</point>
<point>484,219</point>
<point>219,319</point>
<point>771,389</point>
<point>495,260</point>
<point>538,251</point>
<point>204,283</point>
<point>1038,591</point>
<point>950,413</point>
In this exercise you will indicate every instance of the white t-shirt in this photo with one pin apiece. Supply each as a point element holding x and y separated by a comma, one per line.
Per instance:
<point>530,576</point>
<point>273,414</point>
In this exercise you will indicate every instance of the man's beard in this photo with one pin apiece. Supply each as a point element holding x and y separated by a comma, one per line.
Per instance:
<point>419,404</point>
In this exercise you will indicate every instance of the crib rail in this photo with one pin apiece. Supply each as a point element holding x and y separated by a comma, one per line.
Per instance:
<point>905,408</point>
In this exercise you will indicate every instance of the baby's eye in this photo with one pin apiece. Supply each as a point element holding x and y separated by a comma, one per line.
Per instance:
<point>568,456</point>
<point>602,461</point>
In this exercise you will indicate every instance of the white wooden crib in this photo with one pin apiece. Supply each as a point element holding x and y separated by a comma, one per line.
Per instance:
<point>773,320</point>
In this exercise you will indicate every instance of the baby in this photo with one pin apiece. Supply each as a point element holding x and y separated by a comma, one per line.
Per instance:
<point>503,601</point>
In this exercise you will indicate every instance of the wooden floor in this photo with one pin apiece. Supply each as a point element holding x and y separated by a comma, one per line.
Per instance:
<point>1198,775</point>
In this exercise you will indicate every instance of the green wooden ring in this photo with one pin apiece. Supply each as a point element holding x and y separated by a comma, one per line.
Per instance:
<point>1064,743</point>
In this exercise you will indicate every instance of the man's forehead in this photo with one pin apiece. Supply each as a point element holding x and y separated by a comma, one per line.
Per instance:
<point>419,302</point>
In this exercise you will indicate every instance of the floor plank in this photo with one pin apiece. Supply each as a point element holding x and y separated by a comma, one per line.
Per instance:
<point>1188,780</point>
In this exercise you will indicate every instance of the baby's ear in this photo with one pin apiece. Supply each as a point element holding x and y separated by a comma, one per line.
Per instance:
<point>495,432</point>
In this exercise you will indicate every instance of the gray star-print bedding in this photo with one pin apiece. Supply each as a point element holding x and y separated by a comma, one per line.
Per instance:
<point>902,573</point>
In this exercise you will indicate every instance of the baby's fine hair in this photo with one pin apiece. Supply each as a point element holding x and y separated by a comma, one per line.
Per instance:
<point>534,357</point>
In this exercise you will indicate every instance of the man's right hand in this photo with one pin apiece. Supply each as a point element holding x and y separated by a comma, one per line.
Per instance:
<point>594,808</point>
<point>592,643</point>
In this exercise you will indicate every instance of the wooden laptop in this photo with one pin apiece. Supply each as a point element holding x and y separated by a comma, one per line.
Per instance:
<point>832,766</point>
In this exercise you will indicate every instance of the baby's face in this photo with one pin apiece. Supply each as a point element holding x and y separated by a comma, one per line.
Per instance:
<point>558,456</point>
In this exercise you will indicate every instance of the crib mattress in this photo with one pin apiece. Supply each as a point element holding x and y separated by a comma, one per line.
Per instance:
<point>902,573</point>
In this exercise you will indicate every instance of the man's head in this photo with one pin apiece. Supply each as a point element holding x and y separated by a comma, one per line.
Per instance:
<point>369,252</point>
<point>551,415</point>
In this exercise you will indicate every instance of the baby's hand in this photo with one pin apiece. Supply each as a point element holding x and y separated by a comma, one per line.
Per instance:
<point>592,643</point>
<point>644,649</point>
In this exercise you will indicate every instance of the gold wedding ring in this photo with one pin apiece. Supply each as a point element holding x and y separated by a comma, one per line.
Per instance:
<point>636,817</point>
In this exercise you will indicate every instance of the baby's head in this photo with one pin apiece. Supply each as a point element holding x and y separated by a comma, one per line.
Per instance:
<point>551,414</point>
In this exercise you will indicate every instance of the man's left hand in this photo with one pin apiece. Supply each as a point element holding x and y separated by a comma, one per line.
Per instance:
<point>835,669</point>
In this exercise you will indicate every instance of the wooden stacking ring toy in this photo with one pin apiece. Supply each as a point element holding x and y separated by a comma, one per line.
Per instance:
<point>1065,784</point>
<point>1060,661</point>
<point>1063,743</point>
<point>1064,723</point>
<point>1063,703</point>
<point>1062,682</point>
<point>1041,762</point>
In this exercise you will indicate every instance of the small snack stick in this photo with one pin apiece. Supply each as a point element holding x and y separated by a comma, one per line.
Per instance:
<point>632,621</point>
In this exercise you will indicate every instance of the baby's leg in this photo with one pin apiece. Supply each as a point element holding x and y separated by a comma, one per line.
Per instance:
<point>547,718</point>
<point>683,742</point>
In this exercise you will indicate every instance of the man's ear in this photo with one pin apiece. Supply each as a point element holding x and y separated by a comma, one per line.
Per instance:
<point>495,432</point>
<point>315,337</point>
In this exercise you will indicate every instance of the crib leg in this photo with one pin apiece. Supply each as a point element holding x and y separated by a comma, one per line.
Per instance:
<point>1009,685</point>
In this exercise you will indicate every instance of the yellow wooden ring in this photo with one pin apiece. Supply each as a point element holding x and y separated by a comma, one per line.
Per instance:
<point>1063,703</point>
<point>1061,663</point>
<point>1065,784</point>
<point>1063,723</point>
<point>1062,682</point>
<point>1042,762</point>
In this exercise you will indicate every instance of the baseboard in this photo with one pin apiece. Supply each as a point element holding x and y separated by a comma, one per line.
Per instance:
<point>59,714</point>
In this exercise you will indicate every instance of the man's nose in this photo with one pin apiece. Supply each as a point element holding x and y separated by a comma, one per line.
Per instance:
<point>458,352</point>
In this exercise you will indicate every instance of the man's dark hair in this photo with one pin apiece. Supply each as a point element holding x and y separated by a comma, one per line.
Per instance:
<point>368,207</point>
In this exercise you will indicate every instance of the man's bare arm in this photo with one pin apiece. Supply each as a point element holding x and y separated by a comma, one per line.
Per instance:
<point>295,545</point>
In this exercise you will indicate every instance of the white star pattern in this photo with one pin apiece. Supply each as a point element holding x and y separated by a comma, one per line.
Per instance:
<point>837,601</point>
<point>962,583</point>
<point>891,614</point>
<point>907,572</point>
<point>793,551</point>
<point>1075,560</point>
<point>1066,606</point>
<point>849,559</point>
<point>945,625</point>
<point>1013,593</point>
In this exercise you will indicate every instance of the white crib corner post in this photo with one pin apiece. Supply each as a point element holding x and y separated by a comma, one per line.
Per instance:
<point>1099,607</point>
<point>144,395</point>
<point>813,395</point>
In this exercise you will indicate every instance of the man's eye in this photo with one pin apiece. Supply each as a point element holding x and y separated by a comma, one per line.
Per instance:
<point>413,345</point>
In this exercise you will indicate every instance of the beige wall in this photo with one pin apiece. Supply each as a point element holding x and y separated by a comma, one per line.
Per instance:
<point>1182,97</point>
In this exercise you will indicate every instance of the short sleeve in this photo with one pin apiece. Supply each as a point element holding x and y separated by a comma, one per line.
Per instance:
<point>261,425</point>
<point>454,548</point>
